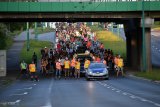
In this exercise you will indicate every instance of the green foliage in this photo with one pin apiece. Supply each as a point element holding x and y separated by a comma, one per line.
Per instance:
<point>5,40</point>
<point>152,75</point>
<point>96,28</point>
<point>113,42</point>
<point>156,24</point>
<point>40,30</point>
<point>35,46</point>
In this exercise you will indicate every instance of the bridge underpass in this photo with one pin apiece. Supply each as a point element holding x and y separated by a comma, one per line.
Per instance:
<point>133,33</point>
<point>128,13</point>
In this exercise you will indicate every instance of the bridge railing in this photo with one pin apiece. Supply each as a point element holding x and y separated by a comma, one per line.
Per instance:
<point>83,5</point>
<point>74,0</point>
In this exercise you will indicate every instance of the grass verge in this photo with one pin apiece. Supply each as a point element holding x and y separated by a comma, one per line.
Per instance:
<point>113,42</point>
<point>35,46</point>
<point>152,75</point>
<point>40,30</point>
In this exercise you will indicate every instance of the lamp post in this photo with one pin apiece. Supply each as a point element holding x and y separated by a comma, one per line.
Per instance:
<point>35,31</point>
<point>27,36</point>
<point>143,39</point>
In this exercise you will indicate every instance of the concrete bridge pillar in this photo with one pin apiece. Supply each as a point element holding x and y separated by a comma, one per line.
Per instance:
<point>133,32</point>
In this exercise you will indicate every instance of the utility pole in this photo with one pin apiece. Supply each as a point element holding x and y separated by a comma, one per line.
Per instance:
<point>27,36</point>
<point>35,31</point>
<point>143,39</point>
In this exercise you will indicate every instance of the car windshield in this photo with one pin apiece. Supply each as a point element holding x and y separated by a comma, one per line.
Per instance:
<point>83,57</point>
<point>97,65</point>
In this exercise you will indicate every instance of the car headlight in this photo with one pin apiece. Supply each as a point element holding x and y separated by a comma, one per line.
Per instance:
<point>105,71</point>
<point>89,71</point>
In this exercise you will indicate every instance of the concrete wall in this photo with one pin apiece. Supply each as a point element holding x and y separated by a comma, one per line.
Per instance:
<point>2,63</point>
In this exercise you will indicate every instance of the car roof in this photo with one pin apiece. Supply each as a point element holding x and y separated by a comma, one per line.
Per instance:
<point>93,62</point>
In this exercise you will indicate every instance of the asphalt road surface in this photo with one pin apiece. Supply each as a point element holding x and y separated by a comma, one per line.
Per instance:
<point>48,92</point>
<point>155,47</point>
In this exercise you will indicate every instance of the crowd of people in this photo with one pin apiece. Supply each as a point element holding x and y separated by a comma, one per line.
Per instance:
<point>70,39</point>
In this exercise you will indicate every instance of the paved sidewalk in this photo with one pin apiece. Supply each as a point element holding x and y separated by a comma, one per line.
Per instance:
<point>13,59</point>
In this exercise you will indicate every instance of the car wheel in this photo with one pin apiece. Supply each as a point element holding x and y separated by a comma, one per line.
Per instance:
<point>87,79</point>
<point>107,78</point>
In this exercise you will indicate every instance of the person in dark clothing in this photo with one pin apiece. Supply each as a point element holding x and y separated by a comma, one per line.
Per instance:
<point>42,53</point>
<point>34,58</point>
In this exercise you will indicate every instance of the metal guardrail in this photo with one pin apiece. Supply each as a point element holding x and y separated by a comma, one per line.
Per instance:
<point>75,0</point>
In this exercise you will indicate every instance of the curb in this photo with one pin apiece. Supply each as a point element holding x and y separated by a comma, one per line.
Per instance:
<point>141,78</point>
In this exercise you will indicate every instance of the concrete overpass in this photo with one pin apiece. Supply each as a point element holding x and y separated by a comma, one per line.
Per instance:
<point>128,13</point>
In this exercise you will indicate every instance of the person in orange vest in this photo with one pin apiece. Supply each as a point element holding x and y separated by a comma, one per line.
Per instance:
<point>73,63</point>
<point>86,63</point>
<point>120,65</point>
<point>58,69</point>
<point>116,63</point>
<point>89,44</point>
<point>77,71</point>
<point>67,67</point>
<point>32,70</point>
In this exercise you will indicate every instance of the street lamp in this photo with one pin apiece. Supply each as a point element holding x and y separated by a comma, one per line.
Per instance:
<point>27,36</point>
<point>35,31</point>
<point>143,39</point>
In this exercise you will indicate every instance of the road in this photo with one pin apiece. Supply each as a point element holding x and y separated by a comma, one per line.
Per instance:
<point>48,92</point>
<point>155,46</point>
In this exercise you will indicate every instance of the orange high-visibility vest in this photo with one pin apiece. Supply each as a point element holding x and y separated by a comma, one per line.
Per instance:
<point>73,62</point>
<point>116,61</point>
<point>32,68</point>
<point>86,64</point>
<point>66,64</point>
<point>78,65</point>
<point>58,65</point>
<point>120,62</point>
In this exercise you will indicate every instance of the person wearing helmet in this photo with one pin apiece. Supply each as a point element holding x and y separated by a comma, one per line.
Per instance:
<point>66,67</point>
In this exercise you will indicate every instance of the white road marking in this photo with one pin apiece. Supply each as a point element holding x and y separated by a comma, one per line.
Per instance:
<point>18,101</point>
<point>25,93</point>
<point>124,93</point>
<point>159,50</point>
<point>133,96</point>
<point>105,85</point>
<point>10,103</point>
<point>143,99</point>
<point>34,84</point>
<point>25,88</point>
<point>156,48</point>
<point>118,91</point>
<point>156,104</point>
